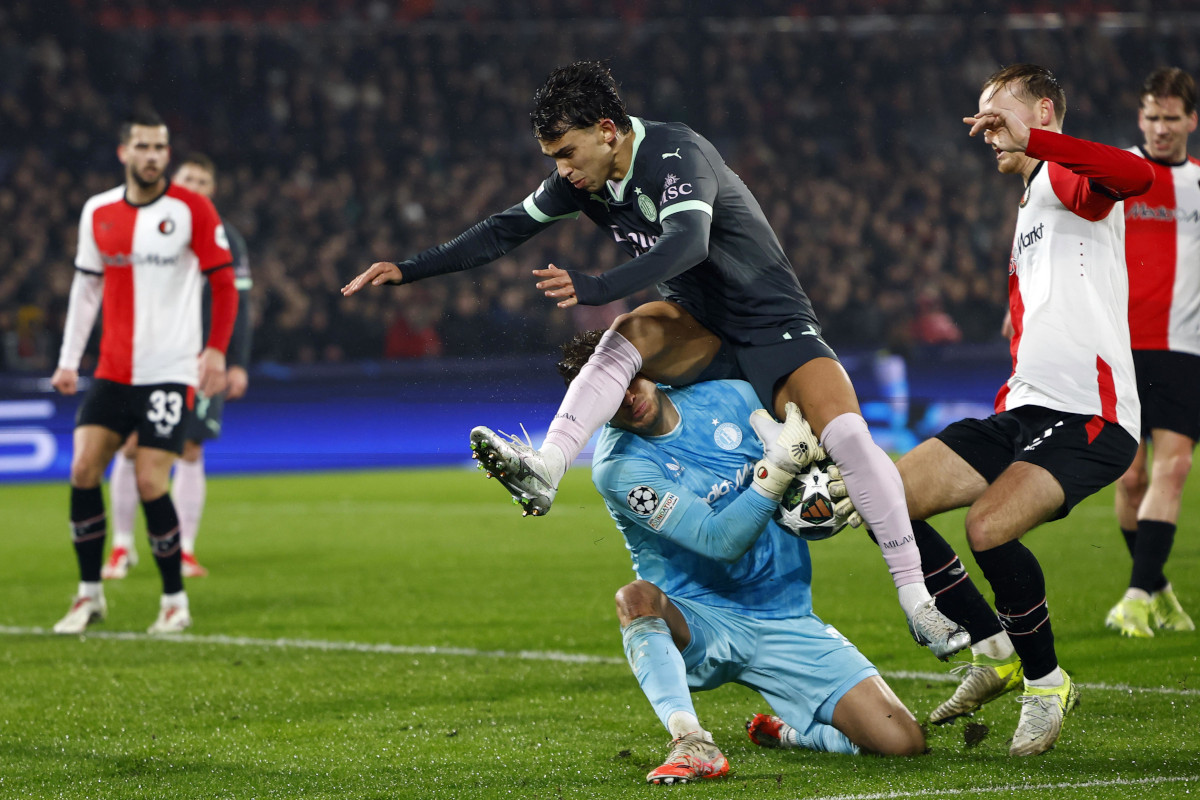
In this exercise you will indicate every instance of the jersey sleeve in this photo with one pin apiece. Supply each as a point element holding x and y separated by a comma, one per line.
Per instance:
<point>638,492</point>
<point>495,236</point>
<point>1089,178</point>
<point>551,201</point>
<point>209,242</point>
<point>689,188</point>
<point>238,354</point>
<point>87,254</point>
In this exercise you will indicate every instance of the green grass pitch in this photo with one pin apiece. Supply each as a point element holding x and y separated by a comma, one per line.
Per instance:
<point>408,635</point>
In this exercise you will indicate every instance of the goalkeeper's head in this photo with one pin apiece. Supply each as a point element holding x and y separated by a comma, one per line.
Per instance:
<point>578,95</point>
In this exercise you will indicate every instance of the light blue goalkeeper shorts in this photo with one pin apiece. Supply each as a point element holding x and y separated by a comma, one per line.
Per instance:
<point>801,666</point>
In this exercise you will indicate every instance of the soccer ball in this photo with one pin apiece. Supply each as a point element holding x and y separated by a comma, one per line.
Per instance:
<point>806,509</point>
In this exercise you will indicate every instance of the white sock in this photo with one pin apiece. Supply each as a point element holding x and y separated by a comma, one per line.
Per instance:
<point>1050,680</point>
<point>997,646</point>
<point>189,491</point>
<point>555,460</point>
<point>122,488</point>
<point>89,589</point>
<point>912,595</point>
<point>591,399</point>
<point>681,722</point>
<point>1136,594</point>
<point>177,600</point>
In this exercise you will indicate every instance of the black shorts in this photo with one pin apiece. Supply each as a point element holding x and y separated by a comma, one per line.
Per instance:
<point>205,424</point>
<point>1169,386</point>
<point>764,366</point>
<point>158,412</point>
<point>1083,453</point>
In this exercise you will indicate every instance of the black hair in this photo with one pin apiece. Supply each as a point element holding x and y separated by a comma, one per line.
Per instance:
<point>577,96</point>
<point>146,117</point>
<point>576,353</point>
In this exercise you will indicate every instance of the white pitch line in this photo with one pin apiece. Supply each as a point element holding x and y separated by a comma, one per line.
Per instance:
<point>520,655</point>
<point>328,646</point>
<point>1010,788</point>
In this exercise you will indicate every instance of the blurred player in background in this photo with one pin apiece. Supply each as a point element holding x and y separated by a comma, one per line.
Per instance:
<point>198,173</point>
<point>1162,248</point>
<point>1066,421</point>
<point>723,592</point>
<point>733,307</point>
<point>144,247</point>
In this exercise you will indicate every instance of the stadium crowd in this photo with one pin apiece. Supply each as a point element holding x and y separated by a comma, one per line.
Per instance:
<point>375,137</point>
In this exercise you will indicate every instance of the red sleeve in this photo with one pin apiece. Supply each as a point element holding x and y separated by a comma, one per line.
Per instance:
<point>1090,177</point>
<point>209,242</point>
<point>224,308</point>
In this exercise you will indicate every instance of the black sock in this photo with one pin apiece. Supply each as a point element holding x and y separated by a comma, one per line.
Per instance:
<point>1130,541</point>
<point>163,526</point>
<point>1020,589</point>
<point>88,527</point>
<point>955,594</point>
<point>1154,542</point>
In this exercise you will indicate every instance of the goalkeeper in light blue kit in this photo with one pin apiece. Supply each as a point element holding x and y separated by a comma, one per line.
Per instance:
<point>723,592</point>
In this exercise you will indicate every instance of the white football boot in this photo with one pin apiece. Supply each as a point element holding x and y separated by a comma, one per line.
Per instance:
<point>930,628</point>
<point>84,611</point>
<point>171,619</point>
<point>519,467</point>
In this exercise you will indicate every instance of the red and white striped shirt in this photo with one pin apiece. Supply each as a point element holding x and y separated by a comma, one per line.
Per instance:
<point>1067,284</point>
<point>152,259</point>
<point>1162,250</point>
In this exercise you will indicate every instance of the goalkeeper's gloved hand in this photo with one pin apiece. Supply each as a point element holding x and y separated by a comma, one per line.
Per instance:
<point>788,447</point>
<point>844,512</point>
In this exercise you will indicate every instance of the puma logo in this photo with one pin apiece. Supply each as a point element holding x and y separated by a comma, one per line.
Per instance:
<point>675,154</point>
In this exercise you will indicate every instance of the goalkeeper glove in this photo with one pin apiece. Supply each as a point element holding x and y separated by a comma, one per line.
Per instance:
<point>788,447</point>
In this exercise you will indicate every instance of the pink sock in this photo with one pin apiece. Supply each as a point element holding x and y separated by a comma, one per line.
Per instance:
<point>188,493</point>
<point>594,396</point>
<point>878,493</point>
<point>122,487</point>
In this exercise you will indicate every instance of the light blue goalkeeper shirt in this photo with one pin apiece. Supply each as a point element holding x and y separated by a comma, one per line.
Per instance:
<point>692,525</point>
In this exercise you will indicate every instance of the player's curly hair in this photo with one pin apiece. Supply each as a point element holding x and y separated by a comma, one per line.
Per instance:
<point>1030,83</point>
<point>1172,82</point>
<point>576,353</point>
<point>577,96</point>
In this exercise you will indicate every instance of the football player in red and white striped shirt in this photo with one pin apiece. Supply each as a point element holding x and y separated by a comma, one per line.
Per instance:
<point>144,249</point>
<point>1066,421</point>
<point>1162,248</point>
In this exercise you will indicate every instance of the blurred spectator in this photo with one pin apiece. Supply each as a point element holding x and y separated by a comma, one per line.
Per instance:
<point>412,333</point>
<point>352,134</point>
<point>932,325</point>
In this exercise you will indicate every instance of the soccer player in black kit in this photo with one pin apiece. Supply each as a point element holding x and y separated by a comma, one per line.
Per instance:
<point>732,306</point>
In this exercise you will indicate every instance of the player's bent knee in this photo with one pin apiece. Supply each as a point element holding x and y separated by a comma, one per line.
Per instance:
<point>1173,472</point>
<point>985,531</point>
<point>1133,483</point>
<point>639,599</point>
<point>85,475</point>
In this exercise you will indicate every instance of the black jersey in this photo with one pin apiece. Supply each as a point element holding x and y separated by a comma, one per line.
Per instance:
<point>690,223</point>
<point>238,352</point>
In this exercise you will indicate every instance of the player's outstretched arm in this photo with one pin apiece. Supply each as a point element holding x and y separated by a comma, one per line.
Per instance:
<point>377,274</point>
